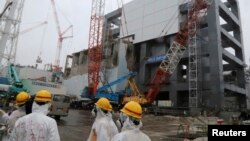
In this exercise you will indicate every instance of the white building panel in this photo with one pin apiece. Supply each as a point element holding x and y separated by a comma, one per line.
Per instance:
<point>147,18</point>
<point>133,26</point>
<point>134,5</point>
<point>149,32</point>
<point>132,16</point>
<point>150,8</point>
<point>149,1</point>
<point>166,4</point>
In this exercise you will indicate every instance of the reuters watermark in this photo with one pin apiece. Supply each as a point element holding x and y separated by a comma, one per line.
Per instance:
<point>241,132</point>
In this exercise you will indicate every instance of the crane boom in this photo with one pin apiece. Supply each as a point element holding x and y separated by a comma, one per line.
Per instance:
<point>95,44</point>
<point>9,26</point>
<point>31,28</point>
<point>176,50</point>
<point>56,17</point>
<point>60,36</point>
<point>6,7</point>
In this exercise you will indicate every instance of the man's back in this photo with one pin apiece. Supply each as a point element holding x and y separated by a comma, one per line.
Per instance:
<point>131,135</point>
<point>35,127</point>
<point>15,115</point>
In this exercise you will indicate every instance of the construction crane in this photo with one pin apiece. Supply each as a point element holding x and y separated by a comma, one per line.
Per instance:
<point>136,94</point>
<point>38,60</point>
<point>5,9</point>
<point>178,47</point>
<point>196,10</point>
<point>34,27</point>
<point>95,44</point>
<point>115,97</point>
<point>61,37</point>
<point>9,27</point>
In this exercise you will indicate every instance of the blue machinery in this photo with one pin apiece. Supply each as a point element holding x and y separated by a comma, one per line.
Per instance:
<point>106,90</point>
<point>16,84</point>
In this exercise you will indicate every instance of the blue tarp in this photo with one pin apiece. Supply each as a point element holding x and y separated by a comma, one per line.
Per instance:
<point>4,80</point>
<point>155,59</point>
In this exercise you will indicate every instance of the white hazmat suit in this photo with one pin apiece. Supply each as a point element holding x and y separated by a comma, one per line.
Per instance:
<point>15,115</point>
<point>4,117</point>
<point>131,132</point>
<point>36,126</point>
<point>103,128</point>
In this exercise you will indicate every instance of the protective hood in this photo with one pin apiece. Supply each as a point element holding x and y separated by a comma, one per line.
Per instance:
<point>41,108</point>
<point>22,108</point>
<point>129,125</point>
<point>103,129</point>
<point>100,114</point>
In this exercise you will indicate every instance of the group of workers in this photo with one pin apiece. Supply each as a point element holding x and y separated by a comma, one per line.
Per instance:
<point>104,128</point>
<point>30,121</point>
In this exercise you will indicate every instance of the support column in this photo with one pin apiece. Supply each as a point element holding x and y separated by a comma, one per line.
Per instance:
<point>216,97</point>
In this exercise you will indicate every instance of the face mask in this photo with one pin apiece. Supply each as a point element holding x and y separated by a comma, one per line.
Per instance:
<point>118,123</point>
<point>93,112</point>
<point>123,117</point>
<point>121,120</point>
<point>49,108</point>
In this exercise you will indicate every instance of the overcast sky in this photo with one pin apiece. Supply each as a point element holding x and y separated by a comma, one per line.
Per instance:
<point>77,13</point>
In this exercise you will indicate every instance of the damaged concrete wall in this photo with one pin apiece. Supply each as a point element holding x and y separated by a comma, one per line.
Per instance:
<point>77,81</point>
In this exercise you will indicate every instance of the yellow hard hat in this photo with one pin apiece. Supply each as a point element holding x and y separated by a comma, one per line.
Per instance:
<point>22,97</point>
<point>133,109</point>
<point>104,103</point>
<point>43,96</point>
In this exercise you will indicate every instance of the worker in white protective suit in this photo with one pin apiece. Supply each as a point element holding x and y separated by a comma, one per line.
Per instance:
<point>37,126</point>
<point>130,120</point>
<point>3,117</point>
<point>103,128</point>
<point>3,122</point>
<point>21,99</point>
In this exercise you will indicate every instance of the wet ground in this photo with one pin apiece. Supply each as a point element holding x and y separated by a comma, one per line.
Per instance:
<point>76,127</point>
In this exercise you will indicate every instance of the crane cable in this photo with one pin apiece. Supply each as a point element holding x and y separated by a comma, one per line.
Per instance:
<point>128,39</point>
<point>43,36</point>
<point>125,21</point>
<point>172,21</point>
<point>64,15</point>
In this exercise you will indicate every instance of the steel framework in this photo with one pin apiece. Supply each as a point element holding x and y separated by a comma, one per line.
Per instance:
<point>95,43</point>
<point>9,30</point>
<point>178,47</point>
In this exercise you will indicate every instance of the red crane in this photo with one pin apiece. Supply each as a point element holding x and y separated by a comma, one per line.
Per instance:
<point>178,47</point>
<point>61,37</point>
<point>95,44</point>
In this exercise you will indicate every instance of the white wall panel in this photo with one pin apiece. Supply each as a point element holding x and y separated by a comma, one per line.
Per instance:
<point>149,32</point>
<point>131,16</point>
<point>147,18</point>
